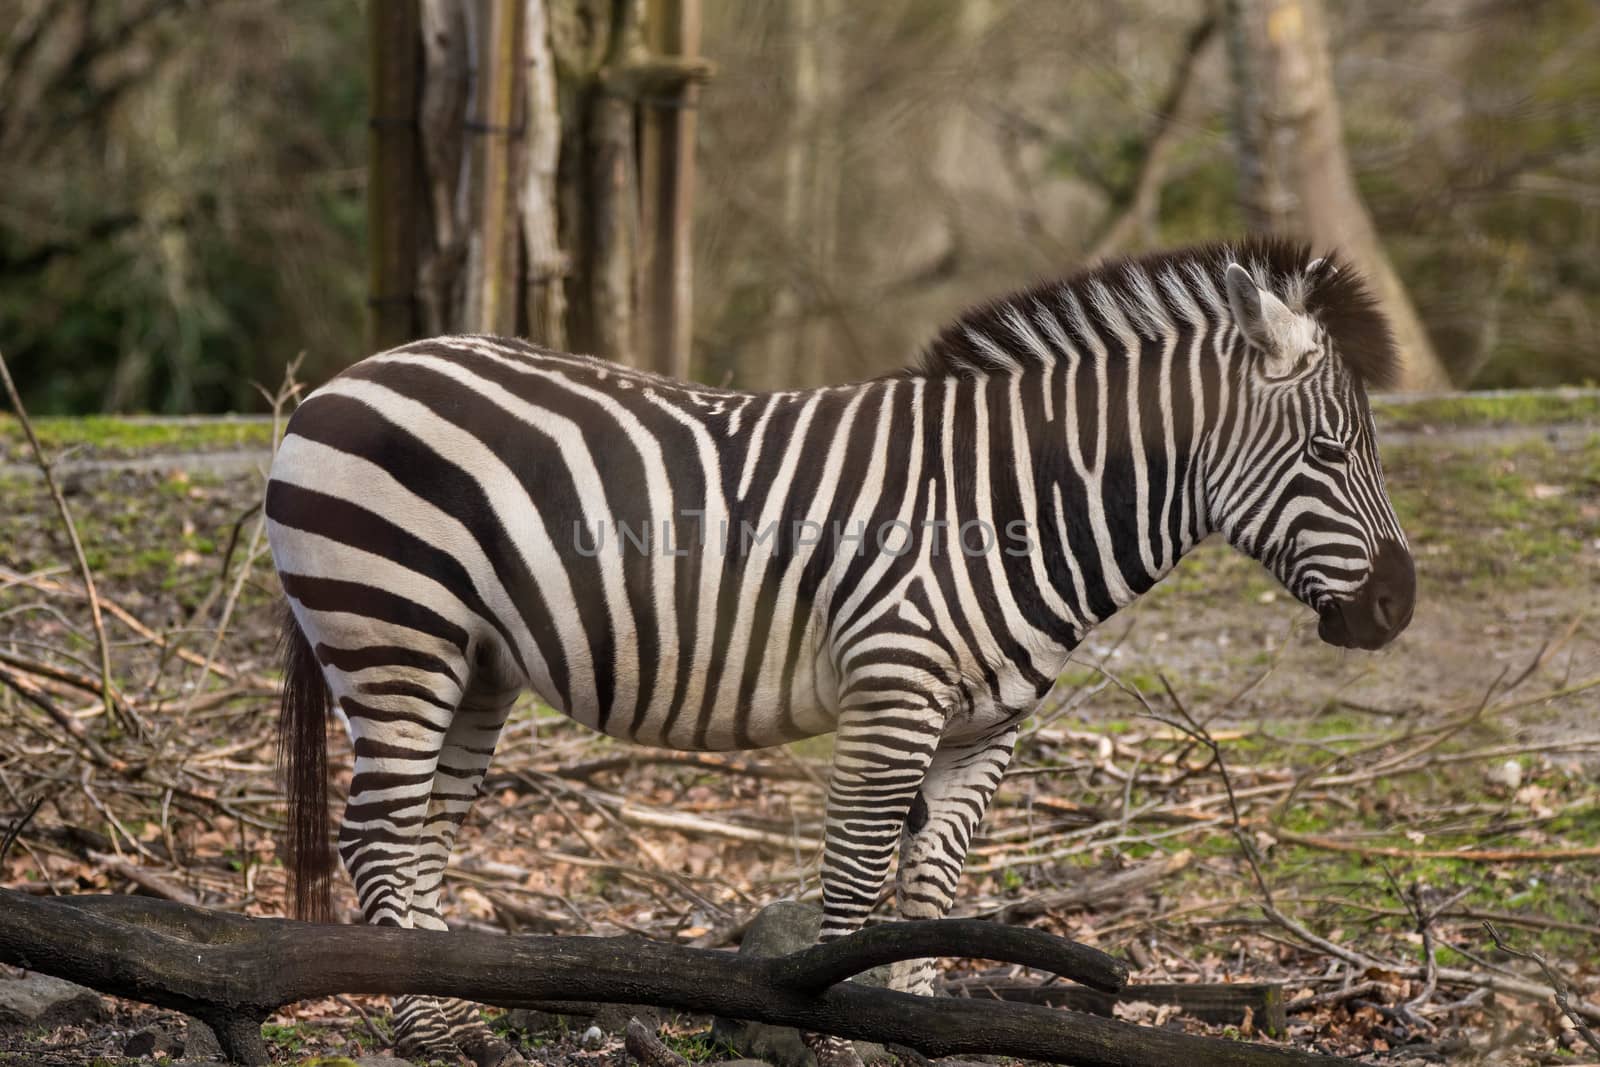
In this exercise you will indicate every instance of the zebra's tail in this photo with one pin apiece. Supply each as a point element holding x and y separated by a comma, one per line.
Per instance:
<point>303,762</point>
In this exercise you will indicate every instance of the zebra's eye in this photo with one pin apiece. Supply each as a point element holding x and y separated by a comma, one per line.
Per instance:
<point>1327,450</point>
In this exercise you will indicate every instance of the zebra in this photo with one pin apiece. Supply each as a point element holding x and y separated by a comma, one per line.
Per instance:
<point>906,561</point>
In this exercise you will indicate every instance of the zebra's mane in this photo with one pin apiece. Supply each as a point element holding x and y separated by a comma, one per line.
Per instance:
<point>1155,294</point>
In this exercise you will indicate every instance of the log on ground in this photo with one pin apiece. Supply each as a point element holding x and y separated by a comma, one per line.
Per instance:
<point>231,972</point>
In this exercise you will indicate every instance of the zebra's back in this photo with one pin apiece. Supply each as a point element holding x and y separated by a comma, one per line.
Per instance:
<point>621,543</point>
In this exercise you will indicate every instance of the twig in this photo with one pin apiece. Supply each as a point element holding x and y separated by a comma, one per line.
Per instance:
<point>287,392</point>
<point>1471,855</point>
<point>73,728</point>
<point>380,1039</point>
<point>14,831</point>
<point>1558,985</point>
<point>43,462</point>
<point>126,617</point>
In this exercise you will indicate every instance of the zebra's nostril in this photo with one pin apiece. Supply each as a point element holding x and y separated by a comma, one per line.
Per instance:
<point>1383,607</point>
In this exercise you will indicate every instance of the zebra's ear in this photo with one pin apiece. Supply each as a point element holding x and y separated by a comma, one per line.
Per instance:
<point>1266,322</point>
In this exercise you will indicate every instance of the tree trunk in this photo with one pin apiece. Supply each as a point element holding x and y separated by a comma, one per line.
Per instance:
<point>392,30</point>
<point>809,210</point>
<point>527,194</point>
<point>1294,174</point>
<point>666,174</point>
<point>446,83</point>
<point>608,268</point>
<point>494,133</point>
<point>544,296</point>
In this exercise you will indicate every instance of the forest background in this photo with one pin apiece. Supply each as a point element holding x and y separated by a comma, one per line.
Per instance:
<point>183,185</point>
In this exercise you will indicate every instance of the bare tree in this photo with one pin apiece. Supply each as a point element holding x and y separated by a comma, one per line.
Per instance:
<point>1295,175</point>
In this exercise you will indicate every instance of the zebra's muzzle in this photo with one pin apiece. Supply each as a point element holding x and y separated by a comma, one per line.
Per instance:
<point>1380,609</point>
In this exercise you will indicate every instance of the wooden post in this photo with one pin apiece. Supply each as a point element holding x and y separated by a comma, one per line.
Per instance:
<point>492,293</point>
<point>392,60</point>
<point>666,178</point>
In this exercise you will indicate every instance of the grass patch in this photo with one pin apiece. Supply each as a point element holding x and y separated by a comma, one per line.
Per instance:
<point>1488,410</point>
<point>699,1047</point>
<point>111,437</point>
<point>1506,516</point>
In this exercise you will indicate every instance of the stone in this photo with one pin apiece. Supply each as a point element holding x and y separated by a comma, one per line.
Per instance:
<point>153,1040</point>
<point>37,1000</point>
<point>781,928</point>
<point>200,1043</point>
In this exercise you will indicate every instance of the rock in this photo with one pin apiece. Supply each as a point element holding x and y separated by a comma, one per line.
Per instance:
<point>37,1000</point>
<point>201,1043</point>
<point>152,1041</point>
<point>1507,774</point>
<point>781,928</point>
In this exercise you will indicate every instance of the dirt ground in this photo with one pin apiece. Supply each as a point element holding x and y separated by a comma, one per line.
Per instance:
<point>1392,800</point>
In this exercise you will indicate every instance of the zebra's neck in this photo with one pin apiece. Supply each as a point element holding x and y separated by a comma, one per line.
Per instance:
<point>1101,456</point>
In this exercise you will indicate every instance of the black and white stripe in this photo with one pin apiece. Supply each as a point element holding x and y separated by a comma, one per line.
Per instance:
<point>460,519</point>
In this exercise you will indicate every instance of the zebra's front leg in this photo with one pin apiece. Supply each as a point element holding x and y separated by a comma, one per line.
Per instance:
<point>468,747</point>
<point>884,745</point>
<point>955,794</point>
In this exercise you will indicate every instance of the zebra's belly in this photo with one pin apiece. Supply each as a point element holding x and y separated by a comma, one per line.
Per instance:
<point>698,703</point>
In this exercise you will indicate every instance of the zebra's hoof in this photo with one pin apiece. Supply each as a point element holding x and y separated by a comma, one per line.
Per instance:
<point>429,1051</point>
<point>832,1051</point>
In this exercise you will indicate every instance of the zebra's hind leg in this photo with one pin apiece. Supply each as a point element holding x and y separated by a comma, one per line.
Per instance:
<point>956,792</point>
<point>885,743</point>
<point>399,716</point>
<point>464,758</point>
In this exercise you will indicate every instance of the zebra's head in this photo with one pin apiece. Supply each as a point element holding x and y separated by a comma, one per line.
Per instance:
<point>1303,492</point>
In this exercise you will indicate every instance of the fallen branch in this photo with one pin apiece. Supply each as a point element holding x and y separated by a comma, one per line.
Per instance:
<point>694,824</point>
<point>232,972</point>
<point>148,880</point>
<point>1116,886</point>
<point>1313,1001</point>
<point>1226,1004</point>
<point>710,761</point>
<point>1470,855</point>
